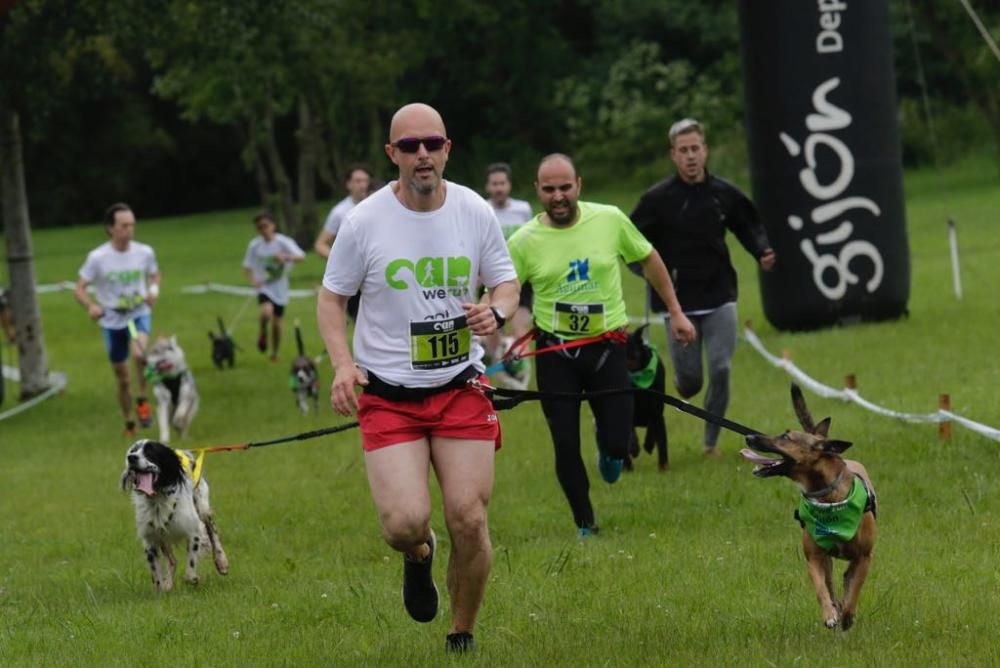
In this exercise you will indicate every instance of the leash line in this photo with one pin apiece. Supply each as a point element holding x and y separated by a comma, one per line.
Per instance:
<point>511,398</point>
<point>285,439</point>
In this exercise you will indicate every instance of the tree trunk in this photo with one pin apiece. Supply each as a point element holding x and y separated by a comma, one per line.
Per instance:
<point>253,159</point>
<point>24,304</point>
<point>264,191</point>
<point>308,140</point>
<point>280,175</point>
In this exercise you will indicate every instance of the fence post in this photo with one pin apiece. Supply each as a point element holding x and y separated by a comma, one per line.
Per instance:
<point>944,427</point>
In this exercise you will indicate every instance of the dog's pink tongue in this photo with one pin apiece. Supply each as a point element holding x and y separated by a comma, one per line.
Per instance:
<point>144,483</point>
<point>755,458</point>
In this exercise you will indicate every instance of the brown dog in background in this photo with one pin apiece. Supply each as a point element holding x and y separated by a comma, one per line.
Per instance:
<point>837,511</point>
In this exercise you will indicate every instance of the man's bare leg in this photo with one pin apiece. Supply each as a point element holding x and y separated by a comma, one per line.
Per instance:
<point>464,470</point>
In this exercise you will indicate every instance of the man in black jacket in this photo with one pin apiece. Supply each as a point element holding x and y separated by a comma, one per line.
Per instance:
<point>685,217</point>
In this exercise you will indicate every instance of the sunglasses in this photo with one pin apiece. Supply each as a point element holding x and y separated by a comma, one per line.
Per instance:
<point>412,144</point>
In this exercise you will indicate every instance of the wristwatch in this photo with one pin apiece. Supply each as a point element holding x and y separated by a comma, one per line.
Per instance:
<point>499,315</point>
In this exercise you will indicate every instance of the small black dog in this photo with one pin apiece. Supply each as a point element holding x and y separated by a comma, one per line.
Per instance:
<point>223,347</point>
<point>304,377</point>
<point>647,372</point>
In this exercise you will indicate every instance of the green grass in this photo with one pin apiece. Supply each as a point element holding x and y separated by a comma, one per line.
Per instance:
<point>699,566</point>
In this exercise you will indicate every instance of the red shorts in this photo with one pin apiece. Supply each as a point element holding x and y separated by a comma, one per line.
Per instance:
<point>461,413</point>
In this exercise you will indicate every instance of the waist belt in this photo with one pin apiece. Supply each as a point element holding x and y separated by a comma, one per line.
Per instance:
<point>379,388</point>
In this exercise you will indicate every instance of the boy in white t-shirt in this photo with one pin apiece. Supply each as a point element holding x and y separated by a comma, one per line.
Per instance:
<point>268,260</point>
<point>126,281</point>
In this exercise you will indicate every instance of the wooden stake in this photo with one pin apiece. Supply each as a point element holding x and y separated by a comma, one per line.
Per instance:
<point>944,428</point>
<point>850,382</point>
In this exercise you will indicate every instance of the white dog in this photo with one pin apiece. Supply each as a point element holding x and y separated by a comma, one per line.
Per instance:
<point>173,385</point>
<point>170,506</point>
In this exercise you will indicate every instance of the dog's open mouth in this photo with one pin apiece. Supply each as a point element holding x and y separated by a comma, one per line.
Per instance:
<point>144,481</point>
<point>765,466</point>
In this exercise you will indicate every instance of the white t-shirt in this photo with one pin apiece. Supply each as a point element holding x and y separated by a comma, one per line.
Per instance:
<point>261,258</point>
<point>415,270</point>
<point>119,280</point>
<point>337,214</point>
<point>512,216</point>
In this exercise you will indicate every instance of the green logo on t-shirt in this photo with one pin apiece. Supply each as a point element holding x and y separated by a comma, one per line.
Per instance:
<point>274,268</point>
<point>124,276</point>
<point>440,276</point>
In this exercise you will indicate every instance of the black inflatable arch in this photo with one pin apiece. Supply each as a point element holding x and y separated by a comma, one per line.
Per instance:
<point>825,161</point>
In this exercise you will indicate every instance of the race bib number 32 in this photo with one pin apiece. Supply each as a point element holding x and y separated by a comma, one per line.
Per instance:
<point>578,319</point>
<point>439,343</point>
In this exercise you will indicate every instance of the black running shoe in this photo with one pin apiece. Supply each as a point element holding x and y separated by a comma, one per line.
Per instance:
<point>459,643</point>
<point>420,594</point>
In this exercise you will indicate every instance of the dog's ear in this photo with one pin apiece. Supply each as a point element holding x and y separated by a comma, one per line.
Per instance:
<point>127,481</point>
<point>823,428</point>
<point>835,446</point>
<point>801,411</point>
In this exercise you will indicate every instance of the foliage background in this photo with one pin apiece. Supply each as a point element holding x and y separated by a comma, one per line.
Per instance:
<point>173,105</point>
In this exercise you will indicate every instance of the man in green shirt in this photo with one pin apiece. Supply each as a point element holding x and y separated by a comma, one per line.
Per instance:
<point>570,254</point>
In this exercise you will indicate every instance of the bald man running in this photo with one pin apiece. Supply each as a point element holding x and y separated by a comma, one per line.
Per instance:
<point>417,250</point>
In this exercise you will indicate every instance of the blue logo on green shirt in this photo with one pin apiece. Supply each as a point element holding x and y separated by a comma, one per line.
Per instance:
<point>579,270</point>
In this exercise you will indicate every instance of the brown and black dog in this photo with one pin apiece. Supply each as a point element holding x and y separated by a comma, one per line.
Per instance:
<point>837,511</point>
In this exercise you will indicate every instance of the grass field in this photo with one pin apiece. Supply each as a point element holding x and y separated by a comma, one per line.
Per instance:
<point>698,566</point>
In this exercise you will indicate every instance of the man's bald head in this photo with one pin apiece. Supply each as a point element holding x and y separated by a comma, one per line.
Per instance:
<point>416,120</point>
<point>557,161</point>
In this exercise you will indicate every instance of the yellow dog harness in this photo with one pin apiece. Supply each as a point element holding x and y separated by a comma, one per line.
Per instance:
<point>186,463</point>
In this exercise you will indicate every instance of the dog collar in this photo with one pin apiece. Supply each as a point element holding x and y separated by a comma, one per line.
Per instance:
<point>832,523</point>
<point>193,470</point>
<point>818,494</point>
<point>154,376</point>
<point>643,378</point>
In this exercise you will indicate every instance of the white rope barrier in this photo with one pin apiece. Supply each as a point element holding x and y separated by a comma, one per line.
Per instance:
<point>851,394</point>
<point>54,287</point>
<point>57,383</point>
<point>241,290</point>
<point>985,430</point>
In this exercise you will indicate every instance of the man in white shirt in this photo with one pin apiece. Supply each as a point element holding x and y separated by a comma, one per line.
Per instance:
<point>418,249</point>
<point>359,185</point>
<point>268,260</point>
<point>126,281</point>
<point>512,214</point>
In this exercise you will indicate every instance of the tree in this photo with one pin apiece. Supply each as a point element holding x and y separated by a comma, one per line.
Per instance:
<point>32,360</point>
<point>967,56</point>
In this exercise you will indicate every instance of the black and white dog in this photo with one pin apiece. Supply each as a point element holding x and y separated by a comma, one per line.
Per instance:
<point>304,377</point>
<point>170,506</point>
<point>646,371</point>
<point>223,347</point>
<point>173,385</point>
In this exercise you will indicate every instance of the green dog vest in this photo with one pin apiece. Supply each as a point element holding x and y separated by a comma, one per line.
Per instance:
<point>832,523</point>
<point>643,378</point>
